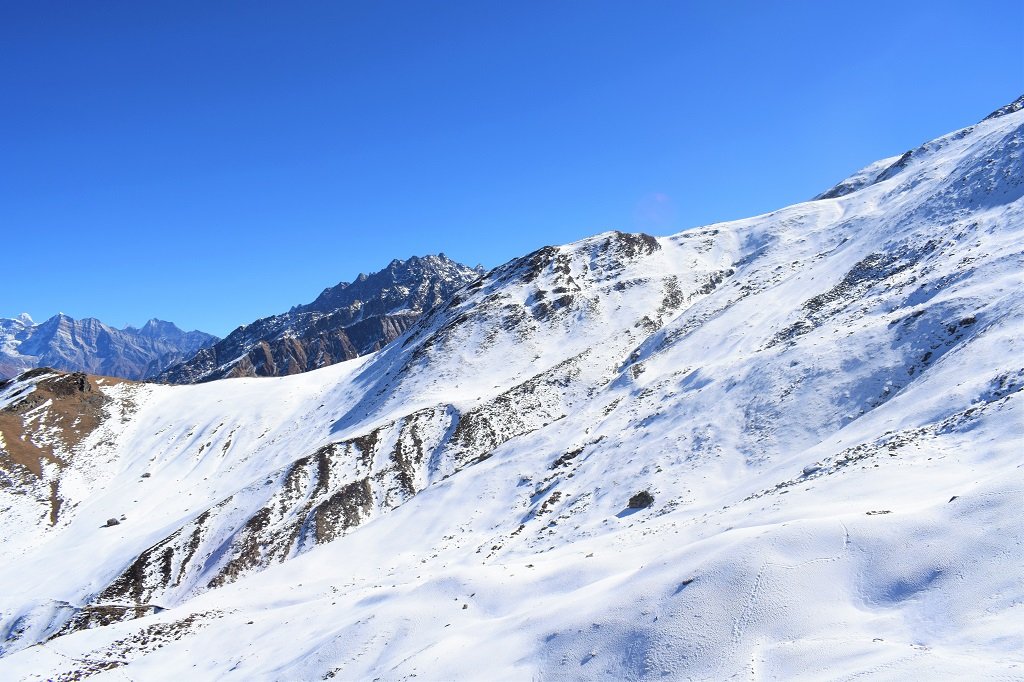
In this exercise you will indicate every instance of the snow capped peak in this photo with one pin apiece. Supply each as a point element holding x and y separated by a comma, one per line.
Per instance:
<point>885,169</point>
<point>1013,107</point>
<point>88,344</point>
<point>862,178</point>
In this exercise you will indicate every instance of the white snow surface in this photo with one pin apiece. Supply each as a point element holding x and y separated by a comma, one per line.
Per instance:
<point>826,403</point>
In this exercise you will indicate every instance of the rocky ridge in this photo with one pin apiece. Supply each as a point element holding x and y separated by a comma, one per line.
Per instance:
<point>344,322</point>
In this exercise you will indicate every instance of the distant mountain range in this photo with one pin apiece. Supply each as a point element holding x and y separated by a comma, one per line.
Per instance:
<point>344,322</point>
<point>88,345</point>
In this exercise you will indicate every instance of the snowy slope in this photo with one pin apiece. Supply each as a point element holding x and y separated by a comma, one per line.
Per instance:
<point>826,403</point>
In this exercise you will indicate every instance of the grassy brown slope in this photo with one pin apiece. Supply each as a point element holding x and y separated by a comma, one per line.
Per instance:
<point>76,407</point>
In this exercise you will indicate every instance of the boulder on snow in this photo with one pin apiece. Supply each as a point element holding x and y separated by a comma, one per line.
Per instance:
<point>641,500</point>
<point>111,522</point>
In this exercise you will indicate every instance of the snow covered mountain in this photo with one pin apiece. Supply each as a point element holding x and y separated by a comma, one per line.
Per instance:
<point>783,447</point>
<point>88,345</point>
<point>344,322</point>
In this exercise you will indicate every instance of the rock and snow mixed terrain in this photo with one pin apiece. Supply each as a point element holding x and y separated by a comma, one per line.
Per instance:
<point>825,404</point>
<point>88,345</point>
<point>344,322</point>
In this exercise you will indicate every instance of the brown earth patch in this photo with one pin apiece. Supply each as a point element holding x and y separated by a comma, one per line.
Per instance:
<point>76,408</point>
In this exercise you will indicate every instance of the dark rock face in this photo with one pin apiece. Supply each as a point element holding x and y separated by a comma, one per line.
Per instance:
<point>641,500</point>
<point>344,322</point>
<point>88,345</point>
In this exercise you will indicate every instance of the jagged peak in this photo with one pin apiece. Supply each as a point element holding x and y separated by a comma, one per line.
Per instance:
<point>439,264</point>
<point>391,298</point>
<point>155,323</point>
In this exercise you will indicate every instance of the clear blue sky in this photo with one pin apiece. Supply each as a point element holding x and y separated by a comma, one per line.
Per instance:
<point>213,162</point>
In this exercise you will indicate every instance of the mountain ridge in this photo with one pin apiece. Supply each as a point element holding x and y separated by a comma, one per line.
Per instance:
<point>344,321</point>
<point>817,411</point>
<point>89,345</point>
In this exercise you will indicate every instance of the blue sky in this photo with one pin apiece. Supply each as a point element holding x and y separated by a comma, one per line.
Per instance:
<point>211,163</point>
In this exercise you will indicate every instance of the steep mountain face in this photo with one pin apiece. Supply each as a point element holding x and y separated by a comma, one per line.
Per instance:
<point>344,322</point>
<point>782,447</point>
<point>12,333</point>
<point>88,345</point>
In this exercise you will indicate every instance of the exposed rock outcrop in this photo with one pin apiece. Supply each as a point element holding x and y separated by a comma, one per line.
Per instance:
<point>344,322</point>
